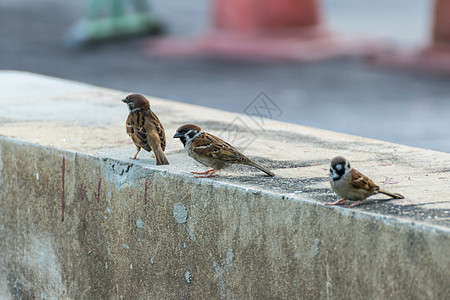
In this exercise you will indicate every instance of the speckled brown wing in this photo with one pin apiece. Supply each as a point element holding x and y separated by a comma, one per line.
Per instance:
<point>219,153</point>
<point>147,132</point>
<point>158,128</point>
<point>133,128</point>
<point>360,181</point>
<point>210,146</point>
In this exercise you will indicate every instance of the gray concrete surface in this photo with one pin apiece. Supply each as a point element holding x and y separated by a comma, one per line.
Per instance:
<point>79,219</point>
<point>342,95</point>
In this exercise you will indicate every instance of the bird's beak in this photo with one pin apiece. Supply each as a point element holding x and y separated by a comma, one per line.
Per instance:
<point>124,100</point>
<point>178,135</point>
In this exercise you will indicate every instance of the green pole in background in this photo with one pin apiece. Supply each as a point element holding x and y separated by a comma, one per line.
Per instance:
<point>108,19</point>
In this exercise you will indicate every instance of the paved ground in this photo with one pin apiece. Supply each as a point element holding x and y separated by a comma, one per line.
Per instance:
<point>342,95</point>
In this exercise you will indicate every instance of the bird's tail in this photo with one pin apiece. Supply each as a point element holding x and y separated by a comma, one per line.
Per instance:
<point>253,164</point>
<point>161,159</point>
<point>395,196</point>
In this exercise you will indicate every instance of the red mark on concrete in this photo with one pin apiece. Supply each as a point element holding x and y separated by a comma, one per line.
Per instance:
<point>81,192</point>
<point>389,180</point>
<point>63,169</point>
<point>145,192</point>
<point>127,141</point>
<point>385,165</point>
<point>84,219</point>
<point>98,189</point>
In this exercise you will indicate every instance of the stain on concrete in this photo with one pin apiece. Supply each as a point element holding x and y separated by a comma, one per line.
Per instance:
<point>36,271</point>
<point>180,213</point>
<point>188,277</point>
<point>140,224</point>
<point>220,269</point>
<point>315,248</point>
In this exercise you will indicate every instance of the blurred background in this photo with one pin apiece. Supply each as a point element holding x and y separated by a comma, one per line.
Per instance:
<point>345,94</point>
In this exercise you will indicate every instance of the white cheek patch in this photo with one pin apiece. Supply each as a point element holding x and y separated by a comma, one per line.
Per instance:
<point>189,139</point>
<point>334,174</point>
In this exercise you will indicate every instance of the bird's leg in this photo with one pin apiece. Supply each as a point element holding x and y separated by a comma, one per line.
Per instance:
<point>135,156</point>
<point>355,204</point>
<point>339,202</point>
<point>206,174</point>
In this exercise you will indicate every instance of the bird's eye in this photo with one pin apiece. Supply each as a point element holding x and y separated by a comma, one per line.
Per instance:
<point>331,170</point>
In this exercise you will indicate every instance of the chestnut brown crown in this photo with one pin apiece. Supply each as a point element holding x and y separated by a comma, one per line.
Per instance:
<point>188,127</point>
<point>187,133</point>
<point>136,102</point>
<point>338,160</point>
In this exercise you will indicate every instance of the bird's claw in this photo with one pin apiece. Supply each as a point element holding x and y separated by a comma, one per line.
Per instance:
<point>339,202</point>
<point>206,174</point>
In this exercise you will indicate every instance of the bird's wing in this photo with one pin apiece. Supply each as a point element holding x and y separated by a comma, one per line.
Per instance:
<point>361,181</point>
<point>136,130</point>
<point>211,146</point>
<point>158,127</point>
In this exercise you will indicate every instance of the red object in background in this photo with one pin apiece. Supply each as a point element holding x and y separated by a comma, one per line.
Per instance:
<point>436,56</point>
<point>264,30</point>
<point>262,15</point>
<point>441,25</point>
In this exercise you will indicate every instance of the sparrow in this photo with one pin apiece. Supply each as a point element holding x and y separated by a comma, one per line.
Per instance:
<point>350,184</point>
<point>144,128</point>
<point>212,151</point>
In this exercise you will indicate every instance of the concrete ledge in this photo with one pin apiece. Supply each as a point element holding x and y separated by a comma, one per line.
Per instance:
<point>81,220</point>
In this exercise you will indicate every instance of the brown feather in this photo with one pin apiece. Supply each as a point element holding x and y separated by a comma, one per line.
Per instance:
<point>395,196</point>
<point>218,154</point>
<point>360,181</point>
<point>147,133</point>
